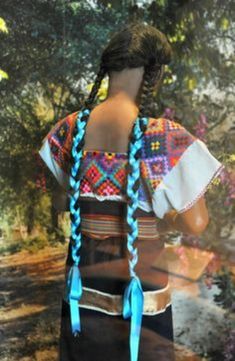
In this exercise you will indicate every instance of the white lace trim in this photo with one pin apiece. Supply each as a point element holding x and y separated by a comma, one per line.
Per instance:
<point>103,198</point>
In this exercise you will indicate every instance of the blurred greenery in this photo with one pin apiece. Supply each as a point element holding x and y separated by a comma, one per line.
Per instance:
<point>51,50</point>
<point>3,29</point>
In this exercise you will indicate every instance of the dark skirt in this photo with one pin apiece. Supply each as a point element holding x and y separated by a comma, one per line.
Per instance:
<point>107,337</point>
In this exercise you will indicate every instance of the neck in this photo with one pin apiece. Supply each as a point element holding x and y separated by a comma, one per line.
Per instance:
<point>125,85</point>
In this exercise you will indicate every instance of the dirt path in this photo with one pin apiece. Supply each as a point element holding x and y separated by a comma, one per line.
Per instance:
<point>32,286</point>
<point>30,305</point>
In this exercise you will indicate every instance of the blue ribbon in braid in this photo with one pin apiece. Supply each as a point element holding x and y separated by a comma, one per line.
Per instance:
<point>133,300</point>
<point>74,284</point>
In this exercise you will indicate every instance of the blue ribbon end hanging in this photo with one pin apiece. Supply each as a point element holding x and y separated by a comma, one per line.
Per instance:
<point>133,304</point>
<point>74,289</point>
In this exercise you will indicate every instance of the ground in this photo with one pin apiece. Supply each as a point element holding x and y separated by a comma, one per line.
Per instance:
<point>30,303</point>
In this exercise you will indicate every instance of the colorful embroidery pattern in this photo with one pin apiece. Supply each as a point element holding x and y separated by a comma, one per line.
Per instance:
<point>104,173</point>
<point>163,144</point>
<point>60,141</point>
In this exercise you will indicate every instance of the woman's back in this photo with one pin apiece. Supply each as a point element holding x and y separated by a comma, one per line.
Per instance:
<point>123,171</point>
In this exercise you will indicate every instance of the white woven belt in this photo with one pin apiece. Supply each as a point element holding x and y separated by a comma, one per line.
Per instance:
<point>154,301</point>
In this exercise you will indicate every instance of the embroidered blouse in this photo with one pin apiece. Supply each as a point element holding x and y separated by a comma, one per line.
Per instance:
<point>176,169</point>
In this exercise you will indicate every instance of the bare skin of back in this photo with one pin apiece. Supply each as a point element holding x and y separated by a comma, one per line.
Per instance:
<point>108,129</point>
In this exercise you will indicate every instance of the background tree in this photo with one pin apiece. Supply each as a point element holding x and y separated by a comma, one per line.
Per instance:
<point>52,53</point>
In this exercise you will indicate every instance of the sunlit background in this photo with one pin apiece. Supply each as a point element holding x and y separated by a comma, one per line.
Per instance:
<point>50,51</point>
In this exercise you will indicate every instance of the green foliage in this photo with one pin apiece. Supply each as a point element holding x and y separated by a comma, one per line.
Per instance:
<point>42,211</point>
<point>34,243</point>
<point>3,26</point>
<point>52,51</point>
<point>64,224</point>
<point>3,75</point>
<point>11,248</point>
<point>56,236</point>
<point>3,29</point>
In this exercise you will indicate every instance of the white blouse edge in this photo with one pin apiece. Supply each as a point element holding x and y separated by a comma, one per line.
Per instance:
<point>187,181</point>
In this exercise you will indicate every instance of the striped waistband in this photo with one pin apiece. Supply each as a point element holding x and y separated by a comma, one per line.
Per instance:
<point>103,226</point>
<point>154,301</point>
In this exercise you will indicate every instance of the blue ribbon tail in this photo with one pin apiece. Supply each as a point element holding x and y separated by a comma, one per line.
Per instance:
<point>74,294</point>
<point>133,307</point>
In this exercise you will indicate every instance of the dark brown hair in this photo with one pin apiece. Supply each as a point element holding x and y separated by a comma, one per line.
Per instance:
<point>136,45</point>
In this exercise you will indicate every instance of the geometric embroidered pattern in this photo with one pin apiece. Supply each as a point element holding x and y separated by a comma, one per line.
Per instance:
<point>104,173</point>
<point>164,143</point>
<point>60,141</point>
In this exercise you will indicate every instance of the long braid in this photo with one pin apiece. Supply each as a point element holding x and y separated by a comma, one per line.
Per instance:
<point>134,153</point>
<point>133,177</point>
<point>133,301</point>
<point>74,285</point>
<point>94,91</point>
<point>150,77</point>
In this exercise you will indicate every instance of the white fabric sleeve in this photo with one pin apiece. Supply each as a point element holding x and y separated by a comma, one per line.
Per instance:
<point>187,181</point>
<point>60,175</point>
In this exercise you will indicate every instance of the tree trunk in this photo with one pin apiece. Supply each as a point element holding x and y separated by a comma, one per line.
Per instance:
<point>54,218</point>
